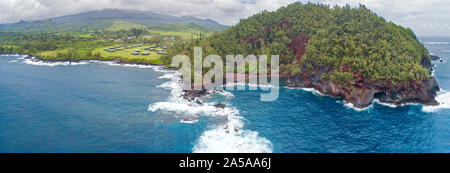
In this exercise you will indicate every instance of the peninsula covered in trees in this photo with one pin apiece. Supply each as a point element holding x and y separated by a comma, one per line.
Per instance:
<point>340,51</point>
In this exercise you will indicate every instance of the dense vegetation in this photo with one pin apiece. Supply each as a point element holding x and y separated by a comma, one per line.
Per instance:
<point>88,35</point>
<point>85,44</point>
<point>343,40</point>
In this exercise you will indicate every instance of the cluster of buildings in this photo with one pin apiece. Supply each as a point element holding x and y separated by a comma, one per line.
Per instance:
<point>137,51</point>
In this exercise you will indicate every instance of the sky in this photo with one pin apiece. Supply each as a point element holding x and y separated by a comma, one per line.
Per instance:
<point>425,17</point>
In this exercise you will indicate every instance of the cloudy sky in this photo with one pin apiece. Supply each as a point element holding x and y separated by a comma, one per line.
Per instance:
<point>425,17</point>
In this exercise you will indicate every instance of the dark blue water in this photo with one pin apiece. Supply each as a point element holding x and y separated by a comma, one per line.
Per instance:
<point>301,121</point>
<point>86,108</point>
<point>102,108</point>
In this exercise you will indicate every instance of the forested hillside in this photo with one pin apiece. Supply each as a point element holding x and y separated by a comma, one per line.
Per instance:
<point>89,35</point>
<point>340,39</point>
<point>338,47</point>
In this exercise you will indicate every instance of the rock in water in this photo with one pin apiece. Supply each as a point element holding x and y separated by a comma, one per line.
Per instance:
<point>220,105</point>
<point>434,57</point>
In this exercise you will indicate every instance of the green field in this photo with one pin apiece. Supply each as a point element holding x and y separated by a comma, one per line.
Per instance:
<point>85,43</point>
<point>52,53</point>
<point>84,35</point>
<point>184,35</point>
<point>123,25</point>
<point>126,55</point>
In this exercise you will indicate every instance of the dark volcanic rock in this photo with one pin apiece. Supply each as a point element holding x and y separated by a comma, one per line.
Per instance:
<point>365,90</point>
<point>425,94</point>
<point>220,105</point>
<point>193,95</point>
<point>434,57</point>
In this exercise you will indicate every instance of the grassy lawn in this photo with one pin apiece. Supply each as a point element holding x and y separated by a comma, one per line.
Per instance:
<point>85,35</point>
<point>123,25</point>
<point>184,35</point>
<point>52,53</point>
<point>126,55</point>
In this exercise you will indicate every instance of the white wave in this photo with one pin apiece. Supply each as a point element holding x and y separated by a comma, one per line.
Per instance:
<point>223,93</point>
<point>21,57</point>
<point>191,108</point>
<point>443,99</point>
<point>153,67</point>
<point>189,121</point>
<point>446,51</point>
<point>386,104</point>
<point>228,137</point>
<point>15,60</point>
<point>348,105</point>
<point>165,85</point>
<point>9,55</point>
<point>351,106</point>
<point>243,141</point>
<point>79,63</point>
<point>232,138</point>
<point>250,85</point>
<point>436,42</point>
<point>394,105</point>
<point>314,91</point>
<point>178,104</point>
<point>33,61</point>
<point>167,76</point>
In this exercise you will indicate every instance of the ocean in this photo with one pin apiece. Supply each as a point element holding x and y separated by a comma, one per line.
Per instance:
<point>107,107</point>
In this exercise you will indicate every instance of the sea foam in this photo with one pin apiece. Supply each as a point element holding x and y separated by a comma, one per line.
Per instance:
<point>244,141</point>
<point>351,106</point>
<point>34,61</point>
<point>228,136</point>
<point>312,90</point>
<point>443,99</point>
<point>232,138</point>
<point>385,104</point>
<point>437,42</point>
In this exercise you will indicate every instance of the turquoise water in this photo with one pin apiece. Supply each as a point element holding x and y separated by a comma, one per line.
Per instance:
<point>106,107</point>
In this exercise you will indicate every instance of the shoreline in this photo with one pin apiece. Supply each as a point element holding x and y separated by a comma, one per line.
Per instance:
<point>118,61</point>
<point>352,105</point>
<point>194,95</point>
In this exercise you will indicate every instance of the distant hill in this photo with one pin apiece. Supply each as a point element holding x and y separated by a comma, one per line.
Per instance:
<point>107,18</point>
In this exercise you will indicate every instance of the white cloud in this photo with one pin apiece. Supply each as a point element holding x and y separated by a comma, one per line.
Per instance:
<point>426,17</point>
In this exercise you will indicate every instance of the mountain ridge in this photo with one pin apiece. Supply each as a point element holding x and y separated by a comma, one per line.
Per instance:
<point>103,18</point>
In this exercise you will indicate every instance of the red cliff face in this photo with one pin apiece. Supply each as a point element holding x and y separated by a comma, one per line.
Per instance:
<point>360,91</point>
<point>364,91</point>
<point>298,46</point>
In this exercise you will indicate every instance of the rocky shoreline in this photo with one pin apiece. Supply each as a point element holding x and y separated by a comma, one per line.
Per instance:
<point>189,95</point>
<point>361,97</point>
<point>435,58</point>
<point>365,90</point>
<point>118,61</point>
